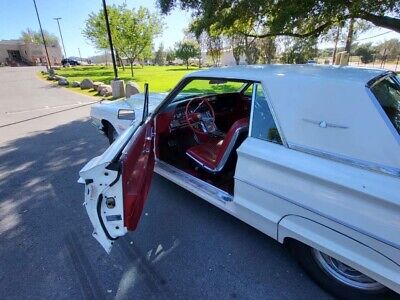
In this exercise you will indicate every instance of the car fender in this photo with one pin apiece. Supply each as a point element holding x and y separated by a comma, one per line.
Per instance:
<point>348,250</point>
<point>109,113</point>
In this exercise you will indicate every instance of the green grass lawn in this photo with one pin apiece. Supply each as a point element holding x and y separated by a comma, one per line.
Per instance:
<point>159,78</point>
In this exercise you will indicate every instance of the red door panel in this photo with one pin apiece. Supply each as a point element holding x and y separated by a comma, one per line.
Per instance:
<point>137,170</point>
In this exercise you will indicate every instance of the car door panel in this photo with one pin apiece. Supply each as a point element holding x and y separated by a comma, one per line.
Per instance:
<point>117,183</point>
<point>136,179</point>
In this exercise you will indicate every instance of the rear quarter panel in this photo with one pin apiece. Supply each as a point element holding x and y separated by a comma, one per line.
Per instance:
<point>274,181</point>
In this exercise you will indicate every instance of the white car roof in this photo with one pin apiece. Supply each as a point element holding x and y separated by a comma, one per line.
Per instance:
<point>292,73</point>
<point>303,96</point>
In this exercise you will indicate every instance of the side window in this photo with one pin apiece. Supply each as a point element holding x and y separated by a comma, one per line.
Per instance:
<point>263,125</point>
<point>387,92</point>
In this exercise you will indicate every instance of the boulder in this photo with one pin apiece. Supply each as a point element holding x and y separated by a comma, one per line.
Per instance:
<point>75,84</point>
<point>96,84</point>
<point>51,77</point>
<point>131,88</point>
<point>63,81</point>
<point>100,87</point>
<point>86,84</point>
<point>106,90</point>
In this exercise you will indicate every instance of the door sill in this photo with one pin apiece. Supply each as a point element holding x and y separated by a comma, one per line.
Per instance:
<point>192,184</point>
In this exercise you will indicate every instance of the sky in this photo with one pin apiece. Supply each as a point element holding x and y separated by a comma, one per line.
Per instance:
<point>18,15</point>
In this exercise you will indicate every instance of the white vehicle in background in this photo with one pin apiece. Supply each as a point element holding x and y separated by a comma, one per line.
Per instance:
<point>307,154</point>
<point>114,117</point>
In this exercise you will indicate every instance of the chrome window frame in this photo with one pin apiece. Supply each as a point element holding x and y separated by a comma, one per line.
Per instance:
<point>377,104</point>
<point>273,114</point>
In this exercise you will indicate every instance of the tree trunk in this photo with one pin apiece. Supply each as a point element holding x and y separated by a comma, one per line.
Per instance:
<point>349,39</point>
<point>131,62</point>
<point>335,48</point>
<point>187,64</point>
<point>119,60</point>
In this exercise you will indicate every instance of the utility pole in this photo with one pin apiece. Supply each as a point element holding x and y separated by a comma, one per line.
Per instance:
<point>44,41</point>
<point>62,40</point>
<point>110,40</point>
<point>79,50</point>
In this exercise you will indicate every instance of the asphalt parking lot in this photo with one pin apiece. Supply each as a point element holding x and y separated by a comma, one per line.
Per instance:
<point>184,248</point>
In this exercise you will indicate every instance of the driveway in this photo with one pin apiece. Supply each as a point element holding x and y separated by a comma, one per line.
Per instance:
<point>184,247</point>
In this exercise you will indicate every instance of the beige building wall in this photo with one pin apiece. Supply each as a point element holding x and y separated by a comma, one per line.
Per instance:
<point>29,52</point>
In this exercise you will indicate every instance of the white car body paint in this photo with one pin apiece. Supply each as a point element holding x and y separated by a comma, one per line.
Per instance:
<point>108,110</point>
<point>334,183</point>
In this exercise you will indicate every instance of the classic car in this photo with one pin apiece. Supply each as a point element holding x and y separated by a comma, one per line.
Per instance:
<point>307,154</point>
<point>114,117</point>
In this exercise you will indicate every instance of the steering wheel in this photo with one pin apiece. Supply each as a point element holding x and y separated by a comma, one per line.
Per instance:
<point>200,122</point>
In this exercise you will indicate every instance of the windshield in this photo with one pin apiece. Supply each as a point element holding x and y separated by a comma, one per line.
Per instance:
<point>387,92</point>
<point>199,87</point>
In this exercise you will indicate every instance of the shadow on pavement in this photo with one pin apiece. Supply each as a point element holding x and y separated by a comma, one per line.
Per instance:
<point>183,248</point>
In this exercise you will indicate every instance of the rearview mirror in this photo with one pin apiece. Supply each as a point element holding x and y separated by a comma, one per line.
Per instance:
<point>126,114</point>
<point>217,81</point>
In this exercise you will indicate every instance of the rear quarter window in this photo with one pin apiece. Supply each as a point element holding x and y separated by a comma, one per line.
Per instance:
<point>387,92</point>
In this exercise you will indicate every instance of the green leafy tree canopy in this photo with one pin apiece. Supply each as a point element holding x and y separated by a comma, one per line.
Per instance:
<point>35,37</point>
<point>186,50</point>
<point>133,31</point>
<point>301,18</point>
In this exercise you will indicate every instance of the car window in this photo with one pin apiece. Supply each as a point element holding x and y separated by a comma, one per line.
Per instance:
<point>263,125</point>
<point>249,91</point>
<point>387,92</point>
<point>199,87</point>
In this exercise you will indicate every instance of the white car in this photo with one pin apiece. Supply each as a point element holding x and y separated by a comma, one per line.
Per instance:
<point>307,154</point>
<point>114,117</point>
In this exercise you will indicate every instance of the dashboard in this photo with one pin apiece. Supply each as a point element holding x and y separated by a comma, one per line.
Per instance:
<point>224,105</point>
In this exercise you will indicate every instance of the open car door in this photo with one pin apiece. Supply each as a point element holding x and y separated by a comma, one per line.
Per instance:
<point>117,182</point>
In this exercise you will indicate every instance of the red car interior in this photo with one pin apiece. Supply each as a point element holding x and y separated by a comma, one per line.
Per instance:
<point>211,154</point>
<point>201,155</point>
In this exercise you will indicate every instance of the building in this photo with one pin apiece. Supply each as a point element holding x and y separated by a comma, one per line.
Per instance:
<point>19,52</point>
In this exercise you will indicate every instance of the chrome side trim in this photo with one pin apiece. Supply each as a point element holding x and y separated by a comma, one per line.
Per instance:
<point>357,229</point>
<point>349,161</point>
<point>192,183</point>
<point>226,154</point>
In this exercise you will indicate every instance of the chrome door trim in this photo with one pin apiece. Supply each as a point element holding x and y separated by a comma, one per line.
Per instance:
<point>195,183</point>
<point>348,160</point>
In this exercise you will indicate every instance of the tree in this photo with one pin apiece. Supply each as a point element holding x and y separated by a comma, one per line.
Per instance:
<point>159,56</point>
<point>237,44</point>
<point>267,48</point>
<point>35,37</point>
<point>299,50</point>
<point>170,56</point>
<point>366,52</point>
<point>186,50</point>
<point>392,47</point>
<point>301,18</point>
<point>214,48</point>
<point>132,30</point>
